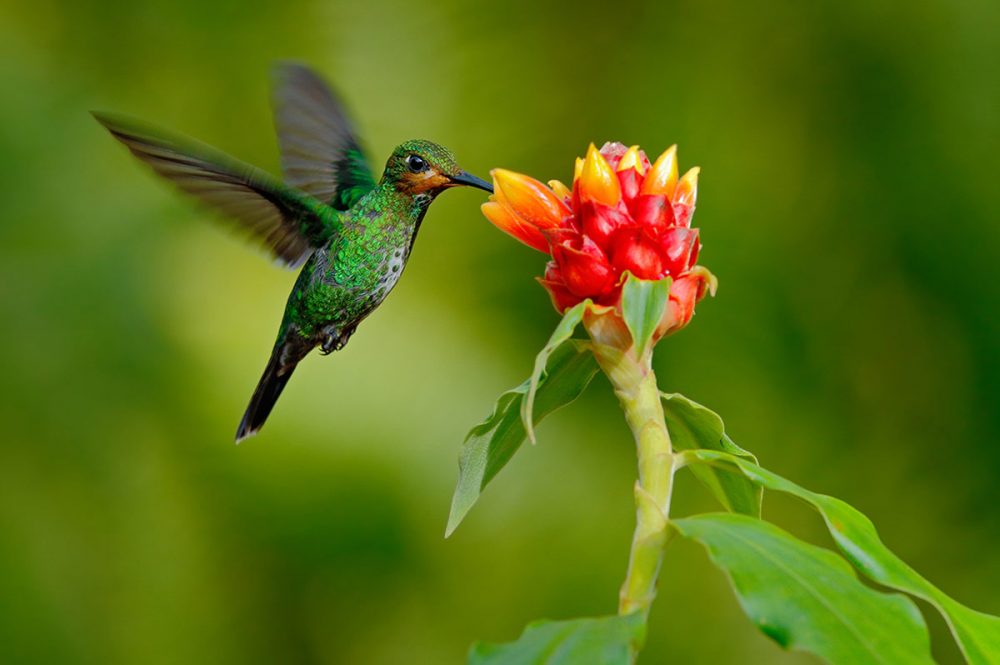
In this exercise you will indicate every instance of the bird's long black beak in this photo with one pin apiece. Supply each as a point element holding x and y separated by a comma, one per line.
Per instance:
<point>469,180</point>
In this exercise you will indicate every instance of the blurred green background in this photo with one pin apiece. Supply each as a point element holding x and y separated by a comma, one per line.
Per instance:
<point>848,205</point>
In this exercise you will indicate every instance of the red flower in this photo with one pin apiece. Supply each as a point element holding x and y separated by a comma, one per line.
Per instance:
<point>622,215</point>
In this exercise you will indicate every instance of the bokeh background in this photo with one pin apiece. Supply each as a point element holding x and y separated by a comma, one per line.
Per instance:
<point>848,205</point>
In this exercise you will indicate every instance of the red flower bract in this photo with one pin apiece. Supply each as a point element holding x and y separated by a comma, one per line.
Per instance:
<point>622,215</point>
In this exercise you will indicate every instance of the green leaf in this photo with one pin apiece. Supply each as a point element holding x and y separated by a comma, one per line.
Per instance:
<point>611,640</point>
<point>643,302</point>
<point>491,444</point>
<point>977,634</point>
<point>571,319</point>
<point>806,597</point>
<point>693,426</point>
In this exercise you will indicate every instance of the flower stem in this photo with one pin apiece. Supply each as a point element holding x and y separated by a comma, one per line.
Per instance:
<point>635,385</point>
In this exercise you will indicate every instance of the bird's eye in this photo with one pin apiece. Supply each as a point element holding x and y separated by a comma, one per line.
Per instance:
<point>416,163</point>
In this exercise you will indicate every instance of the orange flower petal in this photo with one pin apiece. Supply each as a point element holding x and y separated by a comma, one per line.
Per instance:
<point>631,160</point>
<point>687,189</point>
<point>598,181</point>
<point>531,200</point>
<point>560,190</point>
<point>504,219</point>
<point>662,177</point>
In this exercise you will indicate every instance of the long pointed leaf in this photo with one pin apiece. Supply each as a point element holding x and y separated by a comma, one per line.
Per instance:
<point>491,444</point>
<point>693,426</point>
<point>977,634</point>
<point>805,597</point>
<point>571,319</point>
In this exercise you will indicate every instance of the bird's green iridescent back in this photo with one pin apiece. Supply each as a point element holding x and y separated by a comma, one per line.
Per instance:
<point>347,278</point>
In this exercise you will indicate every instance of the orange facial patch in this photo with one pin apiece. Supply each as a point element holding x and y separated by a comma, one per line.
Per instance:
<point>417,183</point>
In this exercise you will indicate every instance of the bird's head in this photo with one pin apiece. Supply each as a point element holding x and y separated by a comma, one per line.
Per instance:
<point>421,167</point>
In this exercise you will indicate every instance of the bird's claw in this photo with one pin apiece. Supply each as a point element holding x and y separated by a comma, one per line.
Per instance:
<point>336,340</point>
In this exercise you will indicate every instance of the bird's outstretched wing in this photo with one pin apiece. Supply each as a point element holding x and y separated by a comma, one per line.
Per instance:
<point>320,153</point>
<point>289,223</point>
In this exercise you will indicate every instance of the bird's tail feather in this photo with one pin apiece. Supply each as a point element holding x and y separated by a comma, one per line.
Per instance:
<point>279,369</point>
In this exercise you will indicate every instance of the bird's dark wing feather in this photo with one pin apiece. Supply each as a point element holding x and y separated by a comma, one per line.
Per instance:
<point>289,223</point>
<point>320,153</point>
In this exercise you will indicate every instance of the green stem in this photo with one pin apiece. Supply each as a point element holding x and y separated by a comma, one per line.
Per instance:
<point>635,385</point>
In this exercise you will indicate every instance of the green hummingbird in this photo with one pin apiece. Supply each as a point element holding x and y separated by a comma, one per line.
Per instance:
<point>351,235</point>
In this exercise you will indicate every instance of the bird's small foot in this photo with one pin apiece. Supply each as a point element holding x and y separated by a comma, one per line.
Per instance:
<point>335,341</point>
<point>330,344</point>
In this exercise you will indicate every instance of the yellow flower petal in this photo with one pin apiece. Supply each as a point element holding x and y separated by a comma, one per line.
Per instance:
<point>631,160</point>
<point>662,177</point>
<point>577,169</point>
<point>598,181</point>
<point>560,190</point>
<point>687,188</point>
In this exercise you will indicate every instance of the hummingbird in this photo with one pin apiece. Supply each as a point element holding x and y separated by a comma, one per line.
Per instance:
<point>351,236</point>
